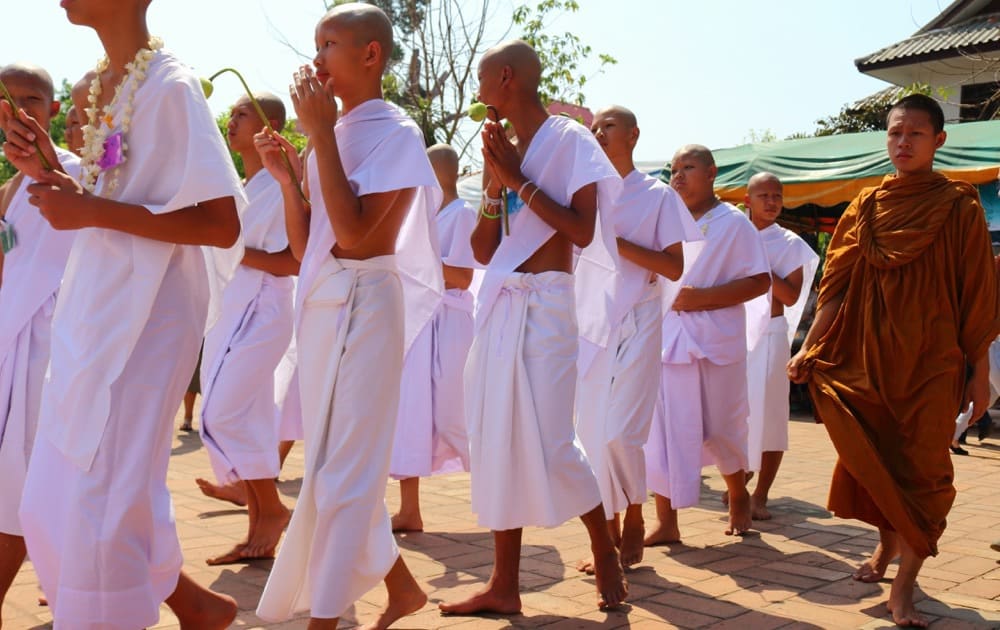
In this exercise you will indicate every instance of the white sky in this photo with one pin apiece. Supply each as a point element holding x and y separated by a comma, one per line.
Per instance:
<point>705,71</point>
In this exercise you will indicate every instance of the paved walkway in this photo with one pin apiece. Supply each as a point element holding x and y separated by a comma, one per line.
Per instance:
<point>794,574</point>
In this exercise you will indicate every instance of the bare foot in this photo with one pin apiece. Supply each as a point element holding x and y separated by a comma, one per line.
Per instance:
<point>873,569</point>
<point>758,509</point>
<point>586,566</point>
<point>397,608</point>
<point>725,493</point>
<point>234,493</point>
<point>266,533</point>
<point>43,601</point>
<point>662,534</point>
<point>407,522</point>
<point>633,532</point>
<point>489,600</point>
<point>739,515</point>
<point>233,556</point>
<point>198,608</point>
<point>612,588</point>
<point>904,613</point>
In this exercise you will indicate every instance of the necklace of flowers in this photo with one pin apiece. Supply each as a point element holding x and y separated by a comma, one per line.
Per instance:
<point>103,150</point>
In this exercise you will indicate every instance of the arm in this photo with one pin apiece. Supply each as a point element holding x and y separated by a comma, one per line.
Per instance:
<point>454,277</point>
<point>281,263</point>
<point>825,315</point>
<point>787,290</point>
<point>296,210</point>
<point>66,206</point>
<point>576,222</point>
<point>724,295</point>
<point>485,237</point>
<point>669,263</point>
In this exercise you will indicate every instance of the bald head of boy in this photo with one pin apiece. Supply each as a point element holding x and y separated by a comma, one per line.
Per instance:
<point>444,161</point>
<point>32,90</point>
<point>366,27</point>
<point>509,74</point>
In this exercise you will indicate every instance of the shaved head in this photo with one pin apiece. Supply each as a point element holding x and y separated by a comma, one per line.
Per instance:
<point>273,107</point>
<point>521,58</point>
<point>697,152</point>
<point>762,179</point>
<point>31,73</point>
<point>623,115</point>
<point>367,23</point>
<point>444,160</point>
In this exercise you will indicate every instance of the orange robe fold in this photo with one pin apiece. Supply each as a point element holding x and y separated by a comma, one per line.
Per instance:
<point>913,262</point>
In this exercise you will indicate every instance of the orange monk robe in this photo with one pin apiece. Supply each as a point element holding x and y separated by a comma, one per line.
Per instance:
<point>912,259</point>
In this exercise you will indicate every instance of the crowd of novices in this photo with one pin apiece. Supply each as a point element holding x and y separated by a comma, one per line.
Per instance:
<point>586,336</point>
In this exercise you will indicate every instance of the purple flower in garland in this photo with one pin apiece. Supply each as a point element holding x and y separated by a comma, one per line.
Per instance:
<point>114,153</point>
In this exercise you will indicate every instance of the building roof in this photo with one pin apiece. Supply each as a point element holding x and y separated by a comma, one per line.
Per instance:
<point>976,35</point>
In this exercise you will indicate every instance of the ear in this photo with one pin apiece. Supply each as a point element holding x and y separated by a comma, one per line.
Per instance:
<point>373,53</point>
<point>274,125</point>
<point>712,172</point>
<point>634,135</point>
<point>939,140</point>
<point>54,108</point>
<point>506,74</point>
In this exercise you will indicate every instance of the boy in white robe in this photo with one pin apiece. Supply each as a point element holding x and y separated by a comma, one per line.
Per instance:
<point>702,405</point>
<point>616,396</point>
<point>239,416</point>
<point>29,283</point>
<point>132,310</point>
<point>437,442</point>
<point>370,274</point>
<point>793,264</point>
<point>527,466</point>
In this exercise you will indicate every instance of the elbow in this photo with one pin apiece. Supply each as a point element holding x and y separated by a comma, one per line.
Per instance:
<point>583,237</point>
<point>226,233</point>
<point>762,282</point>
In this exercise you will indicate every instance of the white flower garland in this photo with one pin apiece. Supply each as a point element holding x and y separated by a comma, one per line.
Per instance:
<point>98,128</point>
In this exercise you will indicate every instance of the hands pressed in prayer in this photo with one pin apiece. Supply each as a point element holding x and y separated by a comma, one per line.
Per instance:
<point>313,100</point>
<point>269,145</point>
<point>60,200</point>
<point>22,133</point>
<point>501,156</point>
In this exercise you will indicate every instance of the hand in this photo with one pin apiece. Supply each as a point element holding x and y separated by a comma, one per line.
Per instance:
<point>269,146</point>
<point>314,104</point>
<point>23,132</point>
<point>977,392</point>
<point>61,201</point>
<point>500,156</point>
<point>794,368</point>
<point>687,299</point>
<point>491,185</point>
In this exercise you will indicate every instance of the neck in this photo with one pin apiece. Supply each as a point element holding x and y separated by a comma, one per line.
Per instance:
<point>624,165</point>
<point>527,119</point>
<point>351,98</point>
<point>760,224</point>
<point>449,196</point>
<point>122,38</point>
<point>700,208</point>
<point>252,163</point>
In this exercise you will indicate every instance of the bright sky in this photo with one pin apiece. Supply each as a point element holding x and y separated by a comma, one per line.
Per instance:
<point>705,71</point>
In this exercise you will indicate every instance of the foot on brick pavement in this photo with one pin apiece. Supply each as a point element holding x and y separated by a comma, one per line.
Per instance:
<point>612,588</point>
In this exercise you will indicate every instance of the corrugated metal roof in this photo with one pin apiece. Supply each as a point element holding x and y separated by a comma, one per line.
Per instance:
<point>965,37</point>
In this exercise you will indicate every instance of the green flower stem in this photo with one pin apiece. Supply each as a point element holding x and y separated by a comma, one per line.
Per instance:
<point>267,124</point>
<point>10,99</point>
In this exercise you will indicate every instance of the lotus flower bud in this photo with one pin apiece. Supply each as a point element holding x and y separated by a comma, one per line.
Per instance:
<point>477,112</point>
<point>207,87</point>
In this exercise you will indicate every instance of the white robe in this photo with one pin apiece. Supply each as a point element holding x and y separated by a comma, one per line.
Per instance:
<point>767,382</point>
<point>239,417</point>
<point>431,436</point>
<point>616,396</point>
<point>701,412</point>
<point>527,466</point>
<point>353,331</point>
<point>126,330</point>
<point>32,272</point>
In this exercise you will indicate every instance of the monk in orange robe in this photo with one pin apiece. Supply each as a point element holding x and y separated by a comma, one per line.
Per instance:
<point>907,308</point>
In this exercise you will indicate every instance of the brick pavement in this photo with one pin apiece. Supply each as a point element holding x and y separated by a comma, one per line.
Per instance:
<point>794,574</point>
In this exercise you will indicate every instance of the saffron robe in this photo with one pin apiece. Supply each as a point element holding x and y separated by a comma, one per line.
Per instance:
<point>767,381</point>
<point>527,466</point>
<point>616,396</point>
<point>239,414</point>
<point>96,512</point>
<point>701,412</point>
<point>32,272</point>
<point>431,436</point>
<point>356,321</point>
<point>913,262</point>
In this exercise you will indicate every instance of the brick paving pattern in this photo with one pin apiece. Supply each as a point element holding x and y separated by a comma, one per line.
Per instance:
<point>794,574</point>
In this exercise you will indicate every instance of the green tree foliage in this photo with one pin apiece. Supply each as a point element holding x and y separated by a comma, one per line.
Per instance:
<point>561,54</point>
<point>57,129</point>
